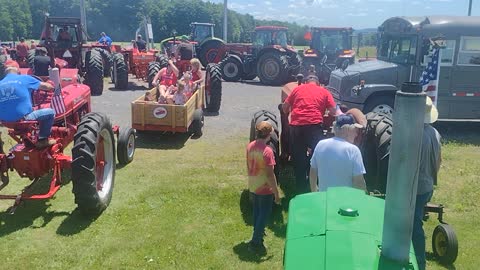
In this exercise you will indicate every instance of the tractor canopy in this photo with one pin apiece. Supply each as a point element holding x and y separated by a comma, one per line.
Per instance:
<point>270,36</point>
<point>331,41</point>
<point>201,31</point>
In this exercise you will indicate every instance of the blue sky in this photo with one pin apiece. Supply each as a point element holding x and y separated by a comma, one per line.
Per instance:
<point>356,13</point>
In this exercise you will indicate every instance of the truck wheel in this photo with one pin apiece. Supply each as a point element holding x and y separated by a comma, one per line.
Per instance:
<point>380,104</point>
<point>232,69</point>
<point>197,123</point>
<point>213,88</point>
<point>153,69</point>
<point>126,146</point>
<point>30,57</point>
<point>107,61</point>
<point>93,164</point>
<point>375,148</point>
<point>94,76</point>
<point>272,69</point>
<point>445,244</point>
<point>119,72</point>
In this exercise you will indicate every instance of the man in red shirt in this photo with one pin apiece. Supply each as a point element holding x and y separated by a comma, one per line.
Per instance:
<point>261,182</point>
<point>22,49</point>
<point>307,105</point>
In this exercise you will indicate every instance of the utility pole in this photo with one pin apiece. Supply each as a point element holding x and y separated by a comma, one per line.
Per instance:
<point>225,11</point>
<point>83,20</point>
<point>470,7</point>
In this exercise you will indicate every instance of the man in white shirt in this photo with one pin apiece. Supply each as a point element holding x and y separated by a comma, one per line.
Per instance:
<point>337,161</point>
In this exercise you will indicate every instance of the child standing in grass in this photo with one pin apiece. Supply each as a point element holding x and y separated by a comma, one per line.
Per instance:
<point>262,183</point>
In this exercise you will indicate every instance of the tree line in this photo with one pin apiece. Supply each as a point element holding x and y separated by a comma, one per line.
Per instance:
<point>120,18</point>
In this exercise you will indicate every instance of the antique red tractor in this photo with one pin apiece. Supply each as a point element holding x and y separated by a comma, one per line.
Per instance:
<point>63,39</point>
<point>92,162</point>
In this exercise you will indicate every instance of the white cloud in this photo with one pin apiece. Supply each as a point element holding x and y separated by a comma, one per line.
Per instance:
<point>357,14</point>
<point>271,9</point>
<point>379,10</point>
<point>330,6</point>
<point>428,7</point>
<point>251,5</point>
<point>292,15</point>
<point>292,6</point>
<point>357,1</point>
<point>416,3</point>
<point>236,6</point>
<point>268,3</point>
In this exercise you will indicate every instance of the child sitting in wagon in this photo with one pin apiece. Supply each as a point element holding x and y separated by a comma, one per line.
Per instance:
<point>186,88</point>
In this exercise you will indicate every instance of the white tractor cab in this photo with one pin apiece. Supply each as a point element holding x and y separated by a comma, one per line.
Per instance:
<point>404,48</point>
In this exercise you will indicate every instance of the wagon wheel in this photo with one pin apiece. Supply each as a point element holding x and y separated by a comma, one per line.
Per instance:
<point>93,164</point>
<point>126,146</point>
<point>445,244</point>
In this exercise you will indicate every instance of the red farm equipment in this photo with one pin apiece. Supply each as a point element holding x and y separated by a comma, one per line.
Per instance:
<point>329,48</point>
<point>63,39</point>
<point>92,162</point>
<point>269,57</point>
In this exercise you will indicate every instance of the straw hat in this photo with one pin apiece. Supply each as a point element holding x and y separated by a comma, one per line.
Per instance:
<point>431,113</point>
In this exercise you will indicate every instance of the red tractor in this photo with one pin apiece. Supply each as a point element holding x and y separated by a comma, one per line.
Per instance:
<point>269,57</point>
<point>63,39</point>
<point>329,48</point>
<point>93,154</point>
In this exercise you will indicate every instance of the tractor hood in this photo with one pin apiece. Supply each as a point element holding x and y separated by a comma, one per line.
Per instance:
<point>372,72</point>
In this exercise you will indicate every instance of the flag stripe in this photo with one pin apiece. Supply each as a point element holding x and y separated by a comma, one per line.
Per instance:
<point>57,104</point>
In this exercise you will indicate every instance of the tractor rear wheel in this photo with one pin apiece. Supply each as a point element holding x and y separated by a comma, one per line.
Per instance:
<point>375,149</point>
<point>153,69</point>
<point>272,68</point>
<point>30,57</point>
<point>232,69</point>
<point>119,72</point>
<point>107,61</point>
<point>208,52</point>
<point>264,115</point>
<point>162,60</point>
<point>94,76</point>
<point>213,88</point>
<point>93,164</point>
<point>126,146</point>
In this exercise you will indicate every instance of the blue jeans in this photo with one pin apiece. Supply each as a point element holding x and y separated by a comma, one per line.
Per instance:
<point>418,235</point>
<point>262,208</point>
<point>45,118</point>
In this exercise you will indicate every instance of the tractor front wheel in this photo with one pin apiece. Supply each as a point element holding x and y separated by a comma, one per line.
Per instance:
<point>107,61</point>
<point>232,69</point>
<point>93,164</point>
<point>213,88</point>
<point>272,69</point>
<point>126,146</point>
<point>445,244</point>
<point>94,76</point>
<point>119,72</point>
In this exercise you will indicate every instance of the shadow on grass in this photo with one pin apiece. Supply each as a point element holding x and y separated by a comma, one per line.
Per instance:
<point>277,226</point>
<point>461,132</point>
<point>75,223</point>
<point>245,254</point>
<point>156,140</point>
<point>431,257</point>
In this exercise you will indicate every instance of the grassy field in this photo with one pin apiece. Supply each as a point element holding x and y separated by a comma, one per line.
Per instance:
<point>181,205</point>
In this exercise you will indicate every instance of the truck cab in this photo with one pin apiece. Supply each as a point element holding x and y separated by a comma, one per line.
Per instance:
<point>405,46</point>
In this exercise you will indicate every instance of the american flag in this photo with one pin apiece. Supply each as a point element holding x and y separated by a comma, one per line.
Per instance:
<point>429,79</point>
<point>57,101</point>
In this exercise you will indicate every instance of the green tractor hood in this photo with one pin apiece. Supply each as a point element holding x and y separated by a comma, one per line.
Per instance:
<point>340,229</point>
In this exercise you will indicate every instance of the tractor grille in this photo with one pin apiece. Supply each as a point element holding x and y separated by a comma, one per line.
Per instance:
<point>334,85</point>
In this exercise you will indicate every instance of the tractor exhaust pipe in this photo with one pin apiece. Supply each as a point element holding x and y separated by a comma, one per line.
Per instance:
<point>403,172</point>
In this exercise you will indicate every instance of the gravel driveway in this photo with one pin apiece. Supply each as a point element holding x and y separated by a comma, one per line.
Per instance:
<point>239,101</point>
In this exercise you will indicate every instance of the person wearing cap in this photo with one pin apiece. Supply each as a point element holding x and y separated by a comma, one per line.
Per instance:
<point>306,105</point>
<point>141,44</point>
<point>337,161</point>
<point>104,39</point>
<point>430,160</point>
<point>41,62</point>
<point>16,103</point>
<point>22,49</point>
<point>262,182</point>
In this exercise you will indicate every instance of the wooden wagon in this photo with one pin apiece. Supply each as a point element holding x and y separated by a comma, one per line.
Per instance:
<point>152,116</point>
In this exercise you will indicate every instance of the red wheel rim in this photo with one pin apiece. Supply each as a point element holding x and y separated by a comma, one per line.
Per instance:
<point>100,164</point>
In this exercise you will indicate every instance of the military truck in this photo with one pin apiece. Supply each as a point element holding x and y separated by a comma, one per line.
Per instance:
<point>404,47</point>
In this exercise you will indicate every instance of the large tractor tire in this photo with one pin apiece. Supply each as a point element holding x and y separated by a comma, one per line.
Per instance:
<point>376,150</point>
<point>119,72</point>
<point>153,69</point>
<point>107,61</point>
<point>30,57</point>
<point>208,51</point>
<point>272,69</point>
<point>3,59</point>
<point>232,69</point>
<point>94,76</point>
<point>162,60</point>
<point>380,104</point>
<point>213,88</point>
<point>93,164</point>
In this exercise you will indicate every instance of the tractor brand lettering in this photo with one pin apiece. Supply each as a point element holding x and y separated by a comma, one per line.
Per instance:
<point>160,112</point>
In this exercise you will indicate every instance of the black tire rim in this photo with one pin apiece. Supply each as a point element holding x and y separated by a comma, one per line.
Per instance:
<point>271,69</point>
<point>230,70</point>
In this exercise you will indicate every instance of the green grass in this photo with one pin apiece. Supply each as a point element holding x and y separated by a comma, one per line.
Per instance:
<point>180,205</point>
